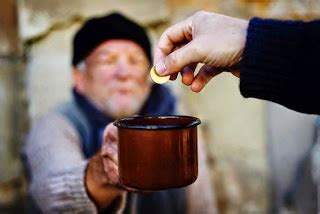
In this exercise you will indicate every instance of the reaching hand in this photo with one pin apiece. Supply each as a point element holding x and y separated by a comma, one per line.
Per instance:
<point>102,176</point>
<point>109,154</point>
<point>217,41</point>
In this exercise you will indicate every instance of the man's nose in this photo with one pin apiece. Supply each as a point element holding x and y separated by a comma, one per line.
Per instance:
<point>123,69</point>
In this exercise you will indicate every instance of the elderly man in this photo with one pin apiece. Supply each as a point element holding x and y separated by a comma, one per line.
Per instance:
<point>66,156</point>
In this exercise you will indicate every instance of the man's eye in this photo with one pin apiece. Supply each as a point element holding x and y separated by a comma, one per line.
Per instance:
<point>110,60</point>
<point>135,61</point>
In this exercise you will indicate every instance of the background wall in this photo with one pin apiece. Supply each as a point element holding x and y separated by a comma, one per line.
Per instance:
<point>254,147</point>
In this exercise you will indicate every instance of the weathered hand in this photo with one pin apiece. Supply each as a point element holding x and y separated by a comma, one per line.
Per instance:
<point>102,177</point>
<point>109,154</point>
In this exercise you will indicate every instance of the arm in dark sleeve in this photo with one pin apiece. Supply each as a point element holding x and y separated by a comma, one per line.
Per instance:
<point>280,63</point>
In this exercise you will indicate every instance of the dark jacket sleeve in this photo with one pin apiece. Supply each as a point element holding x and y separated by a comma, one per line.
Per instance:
<point>281,63</point>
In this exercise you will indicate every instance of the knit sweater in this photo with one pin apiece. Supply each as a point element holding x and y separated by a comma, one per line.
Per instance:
<point>280,63</point>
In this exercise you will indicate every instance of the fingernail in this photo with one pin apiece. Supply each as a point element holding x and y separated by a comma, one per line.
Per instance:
<point>160,67</point>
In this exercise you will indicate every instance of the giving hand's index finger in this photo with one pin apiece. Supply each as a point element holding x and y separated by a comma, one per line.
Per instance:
<point>174,36</point>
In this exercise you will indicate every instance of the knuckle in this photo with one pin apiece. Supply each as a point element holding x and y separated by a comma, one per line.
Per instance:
<point>163,46</point>
<point>201,14</point>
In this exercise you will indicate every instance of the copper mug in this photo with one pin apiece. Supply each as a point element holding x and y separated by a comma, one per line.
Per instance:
<point>157,152</point>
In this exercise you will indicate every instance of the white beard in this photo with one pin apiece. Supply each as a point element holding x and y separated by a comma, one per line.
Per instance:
<point>116,108</point>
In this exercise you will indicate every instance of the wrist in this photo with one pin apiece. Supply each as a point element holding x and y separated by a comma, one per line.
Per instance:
<point>243,26</point>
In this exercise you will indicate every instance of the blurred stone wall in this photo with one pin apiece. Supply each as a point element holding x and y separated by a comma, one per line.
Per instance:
<point>239,131</point>
<point>12,113</point>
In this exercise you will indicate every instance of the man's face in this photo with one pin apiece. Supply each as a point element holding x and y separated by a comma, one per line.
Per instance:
<point>115,78</point>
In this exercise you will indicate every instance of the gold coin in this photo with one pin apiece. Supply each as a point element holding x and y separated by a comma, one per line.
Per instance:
<point>156,78</point>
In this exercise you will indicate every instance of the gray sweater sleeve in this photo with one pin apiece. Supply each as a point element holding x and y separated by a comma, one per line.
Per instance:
<point>57,167</point>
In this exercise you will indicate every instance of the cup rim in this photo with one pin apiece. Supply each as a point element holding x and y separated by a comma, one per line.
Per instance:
<point>121,122</point>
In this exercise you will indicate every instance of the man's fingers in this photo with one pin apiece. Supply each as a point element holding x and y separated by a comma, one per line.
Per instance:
<point>110,151</point>
<point>172,37</point>
<point>179,59</point>
<point>110,166</point>
<point>174,76</point>
<point>112,171</point>
<point>187,74</point>
<point>205,74</point>
<point>110,133</point>
<point>109,147</point>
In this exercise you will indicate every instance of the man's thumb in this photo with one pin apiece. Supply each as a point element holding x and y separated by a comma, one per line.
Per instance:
<point>178,59</point>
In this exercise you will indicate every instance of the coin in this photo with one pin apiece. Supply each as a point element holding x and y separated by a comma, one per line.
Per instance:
<point>156,78</point>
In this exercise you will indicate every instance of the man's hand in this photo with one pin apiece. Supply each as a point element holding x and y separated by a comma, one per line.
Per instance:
<point>102,173</point>
<point>217,41</point>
